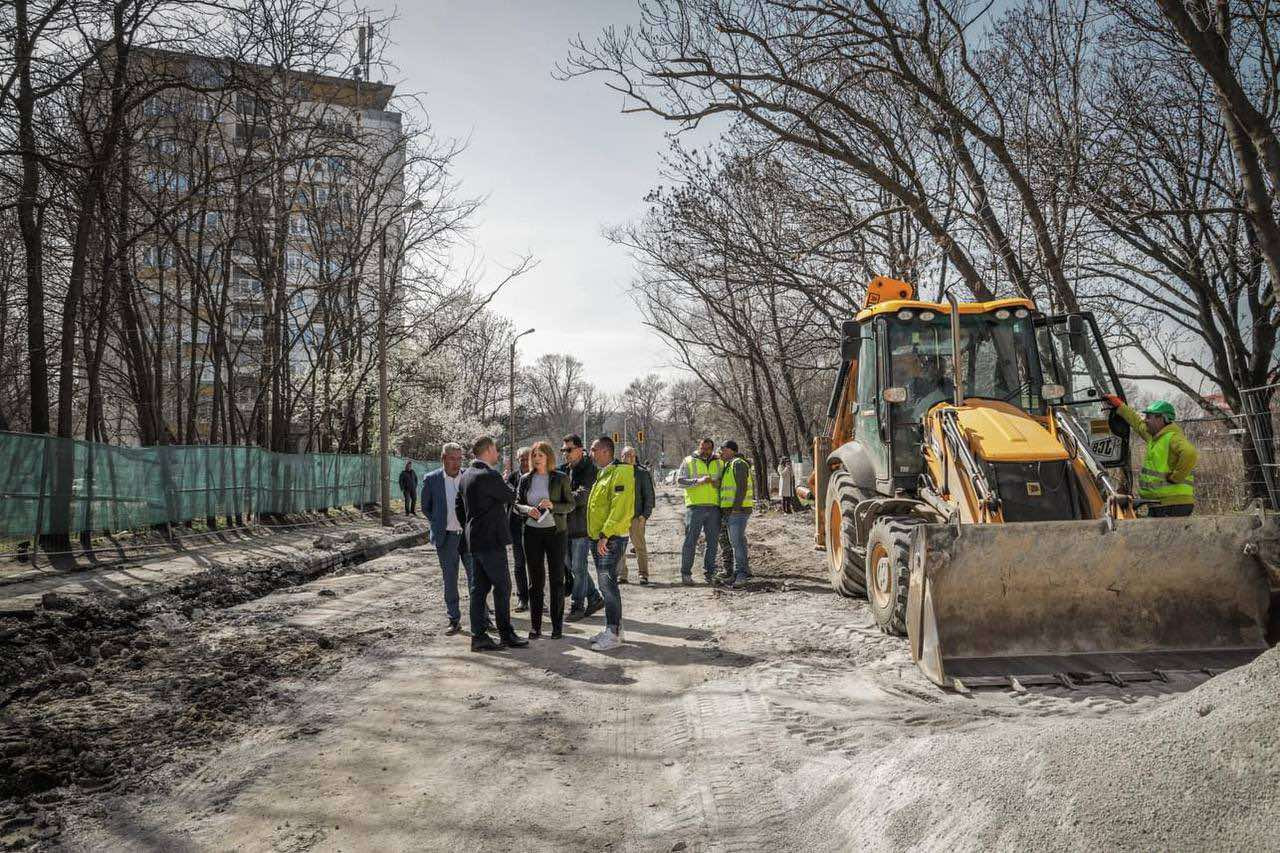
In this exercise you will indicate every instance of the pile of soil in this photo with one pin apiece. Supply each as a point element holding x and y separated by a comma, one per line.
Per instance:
<point>1195,772</point>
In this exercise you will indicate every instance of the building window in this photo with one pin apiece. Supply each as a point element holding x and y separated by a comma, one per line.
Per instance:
<point>158,257</point>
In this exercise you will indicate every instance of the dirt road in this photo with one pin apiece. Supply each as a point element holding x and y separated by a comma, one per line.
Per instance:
<point>772,718</point>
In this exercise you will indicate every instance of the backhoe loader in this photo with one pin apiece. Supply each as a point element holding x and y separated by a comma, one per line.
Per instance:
<point>976,494</point>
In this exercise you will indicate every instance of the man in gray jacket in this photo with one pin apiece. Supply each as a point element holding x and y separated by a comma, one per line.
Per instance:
<point>646,500</point>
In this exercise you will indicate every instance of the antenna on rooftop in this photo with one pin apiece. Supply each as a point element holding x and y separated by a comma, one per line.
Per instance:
<point>364,40</point>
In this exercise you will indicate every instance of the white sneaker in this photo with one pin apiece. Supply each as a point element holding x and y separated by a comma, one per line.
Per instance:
<point>607,643</point>
<point>598,637</point>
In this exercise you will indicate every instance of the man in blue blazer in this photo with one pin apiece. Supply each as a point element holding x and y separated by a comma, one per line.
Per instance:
<point>439,493</point>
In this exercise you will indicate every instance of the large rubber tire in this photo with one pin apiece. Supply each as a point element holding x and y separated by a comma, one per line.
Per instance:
<point>888,571</point>
<point>846,563</point>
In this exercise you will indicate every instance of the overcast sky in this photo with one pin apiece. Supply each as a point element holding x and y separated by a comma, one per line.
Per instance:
<point>557,160</point>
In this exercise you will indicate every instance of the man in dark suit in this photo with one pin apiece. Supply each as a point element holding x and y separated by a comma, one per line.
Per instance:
<point>484,507</point>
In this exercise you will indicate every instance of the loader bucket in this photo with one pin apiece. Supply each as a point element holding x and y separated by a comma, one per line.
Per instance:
<point>1076,601</point>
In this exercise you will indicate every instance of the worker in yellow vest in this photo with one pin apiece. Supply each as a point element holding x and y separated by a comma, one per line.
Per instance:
<point>1166,471</point>
<point>700,476</point>
<point>737,497</point>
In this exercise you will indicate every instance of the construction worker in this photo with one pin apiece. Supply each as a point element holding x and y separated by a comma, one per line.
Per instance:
<point>1166,471</point>
<point>737,496</point>
<point>610,508</point>
<point>700,477</point>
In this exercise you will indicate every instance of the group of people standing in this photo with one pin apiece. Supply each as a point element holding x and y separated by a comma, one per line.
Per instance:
<point>552,518</point>
<point>719,493</point>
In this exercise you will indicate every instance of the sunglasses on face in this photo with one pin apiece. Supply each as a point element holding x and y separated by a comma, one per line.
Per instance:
<point>567,449</point>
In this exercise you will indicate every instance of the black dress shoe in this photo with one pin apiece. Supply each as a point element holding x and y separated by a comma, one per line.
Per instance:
<point>557,634</point>
<point>514,641</point>
<point>484,643</point>
<point>535,635</point>
<point>454,627</point>
<point>622,580</point>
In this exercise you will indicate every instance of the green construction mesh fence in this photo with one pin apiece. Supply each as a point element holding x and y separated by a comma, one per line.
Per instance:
<point>54,485</point>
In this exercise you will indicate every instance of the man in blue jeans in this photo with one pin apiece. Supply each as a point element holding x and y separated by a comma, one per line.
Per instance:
<point>439,491</point>
<point>585,597</point>
<point>700,475</point>
<point>737,497</point>
<point>610,508</point>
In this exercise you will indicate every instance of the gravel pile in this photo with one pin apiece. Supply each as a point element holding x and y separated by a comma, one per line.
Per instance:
<point>1200,771</point>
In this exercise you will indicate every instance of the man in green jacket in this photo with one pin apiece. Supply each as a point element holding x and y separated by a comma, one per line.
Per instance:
<point>610,508</point>
<point>1166,471</point>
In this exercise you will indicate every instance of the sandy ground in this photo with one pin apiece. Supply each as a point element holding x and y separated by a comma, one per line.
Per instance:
<point>771,718</point>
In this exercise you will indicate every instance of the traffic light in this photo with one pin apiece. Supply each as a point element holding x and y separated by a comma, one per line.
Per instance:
<point>615,437</point>
<point>640,436</point>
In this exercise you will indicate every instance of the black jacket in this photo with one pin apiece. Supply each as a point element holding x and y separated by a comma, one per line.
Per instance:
<point>484,508</point>
<point>581,478</point>
<point>561,497</point>
<point>409,480</point>
<point>512,479</point>
<point>646,496</point>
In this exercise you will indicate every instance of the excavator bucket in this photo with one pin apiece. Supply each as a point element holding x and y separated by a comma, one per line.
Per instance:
<point>1070,602</point>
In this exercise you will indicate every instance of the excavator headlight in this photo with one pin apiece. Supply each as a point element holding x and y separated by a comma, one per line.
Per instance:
<point>906,315</point>
<point>1002,314</point>
<point>1052,392</point>
<point>926,316</point>
<point>1022,313</point>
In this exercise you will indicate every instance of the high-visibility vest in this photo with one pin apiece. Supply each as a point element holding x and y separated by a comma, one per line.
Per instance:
<point>1152,485</point>
<point>729,486</point>
<point>704,494</point>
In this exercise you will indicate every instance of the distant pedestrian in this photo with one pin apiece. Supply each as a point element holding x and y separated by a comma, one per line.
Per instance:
<point>439,491</point>
<point>737,497</point>
<point>646,500</point>
<point>409,488</point>
<point>517,534</point>
<point>484,508</point>
<point>700,476</point>
<point>545,500</point>
<point>787,485</point>
<point>610,509</point>
<point>585,599</point>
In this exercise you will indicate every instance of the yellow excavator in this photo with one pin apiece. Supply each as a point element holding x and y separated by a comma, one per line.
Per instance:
<point>974,490</point>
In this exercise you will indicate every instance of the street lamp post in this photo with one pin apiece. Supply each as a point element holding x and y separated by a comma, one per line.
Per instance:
<point>384,395</point>
<point>511,438</point>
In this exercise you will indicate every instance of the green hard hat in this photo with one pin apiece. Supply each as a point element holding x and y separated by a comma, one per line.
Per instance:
<point>1161,407</point>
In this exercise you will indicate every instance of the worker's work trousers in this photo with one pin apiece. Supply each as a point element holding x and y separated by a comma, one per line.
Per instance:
<point>733,544</point>
<point>700,520</point>
<point>642,551</point>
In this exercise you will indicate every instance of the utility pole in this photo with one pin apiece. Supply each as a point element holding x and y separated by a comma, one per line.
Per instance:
<point>511,436</point>
<point>384,395</point>
<point>384,439</point>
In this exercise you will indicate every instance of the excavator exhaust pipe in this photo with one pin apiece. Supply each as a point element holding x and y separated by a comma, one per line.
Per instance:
<point>1071,602</point>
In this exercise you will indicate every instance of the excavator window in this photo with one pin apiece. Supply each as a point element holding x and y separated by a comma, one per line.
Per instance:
<point>994,364</point>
